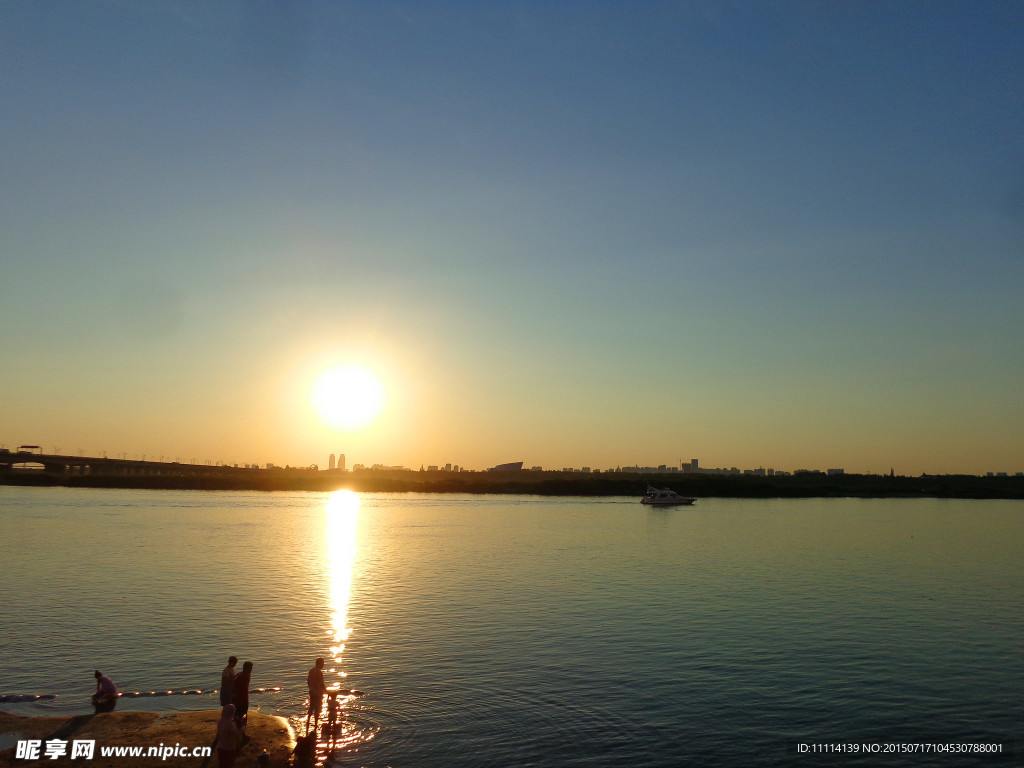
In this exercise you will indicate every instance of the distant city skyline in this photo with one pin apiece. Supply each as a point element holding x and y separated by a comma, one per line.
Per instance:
<point>339,463</point>
<point>783,235</point>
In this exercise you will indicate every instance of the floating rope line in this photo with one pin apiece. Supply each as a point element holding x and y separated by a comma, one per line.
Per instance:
<point>187,692</point>
<point>18,698</point>
<point>24,698</point>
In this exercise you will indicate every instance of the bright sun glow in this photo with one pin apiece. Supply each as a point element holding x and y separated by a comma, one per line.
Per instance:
<point>348,397</point>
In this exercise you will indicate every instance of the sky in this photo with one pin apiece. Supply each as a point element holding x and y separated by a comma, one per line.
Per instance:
<point>774,234</point>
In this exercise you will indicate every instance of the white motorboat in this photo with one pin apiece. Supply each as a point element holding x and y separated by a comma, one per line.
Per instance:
<point>664,497</point>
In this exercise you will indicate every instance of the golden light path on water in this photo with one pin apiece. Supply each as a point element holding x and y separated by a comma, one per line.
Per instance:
<point>341,525</point>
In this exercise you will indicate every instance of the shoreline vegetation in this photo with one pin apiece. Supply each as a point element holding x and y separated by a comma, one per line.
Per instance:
<point>547,483</point>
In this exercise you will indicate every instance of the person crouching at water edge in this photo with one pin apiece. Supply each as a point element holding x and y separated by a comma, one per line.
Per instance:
<point>105,698</point>
<point>240,693</point>
<point>229,737</point>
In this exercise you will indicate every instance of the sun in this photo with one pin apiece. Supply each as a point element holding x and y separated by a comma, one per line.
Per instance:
<point>348,396</point>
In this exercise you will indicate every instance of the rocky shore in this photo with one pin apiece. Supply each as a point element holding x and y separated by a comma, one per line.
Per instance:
<point>182,731</point>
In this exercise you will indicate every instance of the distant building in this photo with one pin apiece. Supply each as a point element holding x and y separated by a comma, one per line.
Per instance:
<point>512,466</point>
<point>330,463</point>
<point>836,472</point>
<point>341,462</point>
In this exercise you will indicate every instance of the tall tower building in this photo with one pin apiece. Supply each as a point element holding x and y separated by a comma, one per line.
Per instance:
<point>331,463</point>
<point>341,461</point>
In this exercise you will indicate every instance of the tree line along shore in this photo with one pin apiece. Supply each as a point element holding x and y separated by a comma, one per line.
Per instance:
<point>553,483</point>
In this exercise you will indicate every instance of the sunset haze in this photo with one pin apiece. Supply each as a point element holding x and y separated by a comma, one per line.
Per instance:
<point>596,234</point>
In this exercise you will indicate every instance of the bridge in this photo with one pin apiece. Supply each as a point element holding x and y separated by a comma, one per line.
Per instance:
<point>56,464</point>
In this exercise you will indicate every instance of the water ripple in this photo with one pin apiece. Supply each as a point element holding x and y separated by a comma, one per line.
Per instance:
<point>494,631</point>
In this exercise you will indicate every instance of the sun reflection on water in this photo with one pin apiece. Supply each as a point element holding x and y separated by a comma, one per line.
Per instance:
<point>342,522</point>
<point>339,730</point>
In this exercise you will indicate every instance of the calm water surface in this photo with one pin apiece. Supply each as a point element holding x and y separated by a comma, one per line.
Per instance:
<point>527,631</point>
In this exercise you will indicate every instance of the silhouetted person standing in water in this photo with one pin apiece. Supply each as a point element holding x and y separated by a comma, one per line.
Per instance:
<point>240,693</point>
<point>227,680</point>
<point>317,689</point>
<point>105,698</point>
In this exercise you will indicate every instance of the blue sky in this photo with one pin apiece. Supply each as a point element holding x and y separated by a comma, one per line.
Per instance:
<point>762,234</point>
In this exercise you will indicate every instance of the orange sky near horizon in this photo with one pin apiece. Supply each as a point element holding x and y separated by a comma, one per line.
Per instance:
<point>568,234</point>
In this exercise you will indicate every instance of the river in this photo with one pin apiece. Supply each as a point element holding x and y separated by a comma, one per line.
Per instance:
<point>492,630</point>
